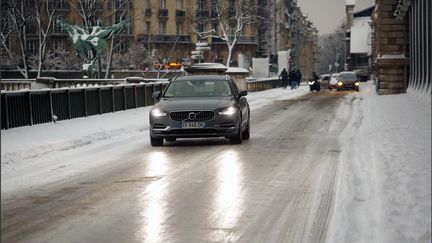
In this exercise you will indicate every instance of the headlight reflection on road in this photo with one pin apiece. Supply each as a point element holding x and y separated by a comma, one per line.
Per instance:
<point>228,199</point>
<point>153,201</point>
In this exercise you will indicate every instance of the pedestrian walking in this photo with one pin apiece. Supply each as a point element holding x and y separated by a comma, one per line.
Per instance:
<point>298,78</point>
<point>292,77</point>
<point>284,78</point>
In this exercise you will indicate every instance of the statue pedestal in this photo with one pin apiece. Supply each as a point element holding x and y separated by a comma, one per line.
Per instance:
<point>89,71</point>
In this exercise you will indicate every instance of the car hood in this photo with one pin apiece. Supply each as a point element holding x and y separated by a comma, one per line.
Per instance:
<point>174,104</point>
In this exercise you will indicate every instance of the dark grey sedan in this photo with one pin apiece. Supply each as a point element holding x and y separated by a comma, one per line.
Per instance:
<point>200,106</point>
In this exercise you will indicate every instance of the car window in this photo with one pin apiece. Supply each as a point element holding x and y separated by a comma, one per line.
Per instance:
<point>198,88</point>
<point>335,76</point>
<point>348,76</point>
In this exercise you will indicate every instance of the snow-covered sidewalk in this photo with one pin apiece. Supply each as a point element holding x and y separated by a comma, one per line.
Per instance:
<point>384,184</point>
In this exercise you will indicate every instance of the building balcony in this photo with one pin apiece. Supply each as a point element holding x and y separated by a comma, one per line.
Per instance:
<point>60,5</point>
<point>180,13</point>
<point>163,13</point>
<point>243,39</point>
<point>182,39</point>
<point>148,12</point>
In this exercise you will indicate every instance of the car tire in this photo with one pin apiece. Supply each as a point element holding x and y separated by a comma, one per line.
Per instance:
<point>156,141</point>
<point>246,133</point>
<point>238,139</point>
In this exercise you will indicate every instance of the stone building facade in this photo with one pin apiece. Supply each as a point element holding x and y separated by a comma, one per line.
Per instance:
<point>402,46</point>
<point>169,26</point>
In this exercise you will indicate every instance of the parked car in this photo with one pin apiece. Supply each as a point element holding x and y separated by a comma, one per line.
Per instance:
<point>200,106</point>
<point>348,80</point>
<point>325,78</point>
<point>332,84</point>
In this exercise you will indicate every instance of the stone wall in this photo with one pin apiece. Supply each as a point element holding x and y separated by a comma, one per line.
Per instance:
<point>390,48</point>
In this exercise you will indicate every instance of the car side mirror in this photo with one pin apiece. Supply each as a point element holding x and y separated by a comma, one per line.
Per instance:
<point>156,95</point>
<point>243,92</point>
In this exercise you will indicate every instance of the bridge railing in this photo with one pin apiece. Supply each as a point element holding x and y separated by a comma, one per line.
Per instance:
<point>29,107</point>
<point>262,84</point>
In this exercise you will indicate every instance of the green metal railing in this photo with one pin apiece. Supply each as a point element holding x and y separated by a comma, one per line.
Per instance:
<point>26,108</point>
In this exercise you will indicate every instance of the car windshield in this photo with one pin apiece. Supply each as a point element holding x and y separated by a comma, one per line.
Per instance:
<point>348,76</point>
<point>198,88</point>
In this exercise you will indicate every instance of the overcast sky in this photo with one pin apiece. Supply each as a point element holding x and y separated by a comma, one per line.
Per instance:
<point>328,14</point>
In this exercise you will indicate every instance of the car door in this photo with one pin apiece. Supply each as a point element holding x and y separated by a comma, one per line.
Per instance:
<point>242,102</point>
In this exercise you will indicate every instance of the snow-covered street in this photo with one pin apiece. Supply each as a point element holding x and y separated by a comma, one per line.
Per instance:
<point>382,169</point>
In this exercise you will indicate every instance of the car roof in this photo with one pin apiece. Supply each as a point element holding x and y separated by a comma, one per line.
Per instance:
<point>202,77</point>
<point>347,72</point>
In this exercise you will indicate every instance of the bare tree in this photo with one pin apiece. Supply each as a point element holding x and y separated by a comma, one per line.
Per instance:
<point>43,32</point>
<point>232,18</point>
<point>18,15</point>
<point>116,41</point>
<point>57,59</point>
<point>332,50</point>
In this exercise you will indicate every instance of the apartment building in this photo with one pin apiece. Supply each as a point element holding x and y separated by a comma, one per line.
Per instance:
<point>168,28</point>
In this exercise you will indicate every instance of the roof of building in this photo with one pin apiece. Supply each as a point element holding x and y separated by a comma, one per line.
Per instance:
<point>365,12</point>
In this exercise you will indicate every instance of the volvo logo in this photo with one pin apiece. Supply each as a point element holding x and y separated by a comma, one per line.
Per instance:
<point>192,116</point>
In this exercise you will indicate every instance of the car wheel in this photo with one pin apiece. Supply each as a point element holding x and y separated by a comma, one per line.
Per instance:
<point>156,141</point>
<point>238,139</point>
<point>169,139</point>
<point>246,133</point>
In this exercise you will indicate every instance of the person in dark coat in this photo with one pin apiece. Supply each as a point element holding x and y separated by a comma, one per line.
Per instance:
<point>298,78</point>
<point>284,77</point>
<point>292,78</point>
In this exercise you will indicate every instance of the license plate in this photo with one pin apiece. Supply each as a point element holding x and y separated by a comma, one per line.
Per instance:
<point>193,124</point>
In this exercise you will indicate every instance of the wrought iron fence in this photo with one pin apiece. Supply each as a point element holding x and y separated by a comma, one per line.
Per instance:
<point>26,108</point>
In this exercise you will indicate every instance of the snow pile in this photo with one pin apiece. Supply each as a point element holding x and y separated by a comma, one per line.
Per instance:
<point>384,188</point>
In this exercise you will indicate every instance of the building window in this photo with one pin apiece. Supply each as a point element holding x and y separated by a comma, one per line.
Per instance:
<point>120,3</point>
<point>179,28</point>
<point>201,27</point>
<point>162,4</point>
<point>57,28</point>
<point>32,47</point>
<point>60,4</point>
<point>121,46</point>
<point>59,45</point>
<point>148,27</point>
<point>148,4</point>
<point>201,5</point>
<point>162,28</point>
<point>180,4</point>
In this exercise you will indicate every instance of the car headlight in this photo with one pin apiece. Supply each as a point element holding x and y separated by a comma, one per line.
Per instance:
<point>157,112</point>
<point>228,111</point>
<point>340,83</point>
<point>356,83</point>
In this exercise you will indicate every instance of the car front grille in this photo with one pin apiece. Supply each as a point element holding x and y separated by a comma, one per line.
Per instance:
<point>186,115</point>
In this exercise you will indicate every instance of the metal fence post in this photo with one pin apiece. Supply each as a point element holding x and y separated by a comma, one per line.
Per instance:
<point>69,105</point>
<point>7,111</point>
<point>112,94</point>
<point>136,98</point>
<point>30,108</point>
<point>124,98</point>
<point>51,105</point>
<point>85,102</point>
<point>100,100</point>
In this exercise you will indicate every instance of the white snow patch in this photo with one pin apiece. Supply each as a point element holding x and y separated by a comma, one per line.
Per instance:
<point>384,187</point>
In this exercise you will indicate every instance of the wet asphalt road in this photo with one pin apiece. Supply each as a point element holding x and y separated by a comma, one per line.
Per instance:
<point>277,187</point>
